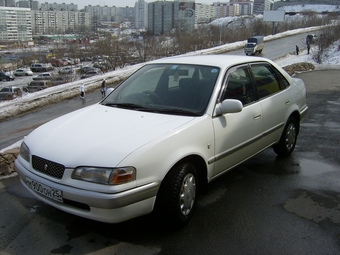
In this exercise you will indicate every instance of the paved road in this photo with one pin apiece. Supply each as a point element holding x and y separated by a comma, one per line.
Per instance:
<point>265,206</point>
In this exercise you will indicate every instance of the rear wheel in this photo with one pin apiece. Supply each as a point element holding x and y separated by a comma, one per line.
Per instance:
<point>176,200</point>
<point>288,138</point>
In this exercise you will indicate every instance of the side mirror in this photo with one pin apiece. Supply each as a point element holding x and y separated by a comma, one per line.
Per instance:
<point>229,106</point>
<point>108,91</point>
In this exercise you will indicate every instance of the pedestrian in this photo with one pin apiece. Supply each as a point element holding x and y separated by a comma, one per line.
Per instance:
<point>103,88</point>
<point>308,47</point>
<point>82,90</point>
<point>297,49</point>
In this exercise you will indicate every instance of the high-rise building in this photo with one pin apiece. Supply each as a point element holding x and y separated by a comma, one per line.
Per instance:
<point>141,14</point>
<point>23,4</point>
<point>15,24</point>
<point>204,12</point>
<point>7,3</point>
<point>58,22</point>
<point>164,16</point>
<point>57,7</point>
<point>260,6</point>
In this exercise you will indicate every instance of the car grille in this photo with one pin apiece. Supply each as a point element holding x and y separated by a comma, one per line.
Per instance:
<point>48,167</point>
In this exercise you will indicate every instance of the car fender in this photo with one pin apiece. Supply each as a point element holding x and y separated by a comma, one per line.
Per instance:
<point>194,138</point>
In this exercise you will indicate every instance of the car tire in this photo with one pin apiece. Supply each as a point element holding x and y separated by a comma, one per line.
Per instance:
<point>288,139</point>
<point>177,197</point>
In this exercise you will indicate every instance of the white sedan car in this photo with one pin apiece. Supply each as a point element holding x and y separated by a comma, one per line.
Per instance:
<point>43,76</point>
<point>23,72</point>
<point>66,70</point>
<point>161,136</point>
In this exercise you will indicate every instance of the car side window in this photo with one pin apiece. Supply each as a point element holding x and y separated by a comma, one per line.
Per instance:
<point>282,80</point>
<point>265,79</point>
<point>239,86</point>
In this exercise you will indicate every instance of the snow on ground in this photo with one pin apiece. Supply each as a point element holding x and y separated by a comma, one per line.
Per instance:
<point>310,7</point>
<point>332,60</point>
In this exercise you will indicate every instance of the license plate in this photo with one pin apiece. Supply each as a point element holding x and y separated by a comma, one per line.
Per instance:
<point>47,191</point>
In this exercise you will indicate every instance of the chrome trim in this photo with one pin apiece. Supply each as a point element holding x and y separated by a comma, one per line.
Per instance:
<point>303,112</point>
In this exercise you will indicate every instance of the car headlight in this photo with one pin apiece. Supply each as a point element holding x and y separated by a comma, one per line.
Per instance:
<point>108,176</point>
<point>25,152</point>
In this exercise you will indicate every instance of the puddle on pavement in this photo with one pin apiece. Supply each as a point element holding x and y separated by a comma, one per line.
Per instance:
<point>313,167</point>
<point>289,166</point>
<point>315,207</point>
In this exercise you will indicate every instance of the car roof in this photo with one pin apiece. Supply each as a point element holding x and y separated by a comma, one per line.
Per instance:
<point>223,61</point>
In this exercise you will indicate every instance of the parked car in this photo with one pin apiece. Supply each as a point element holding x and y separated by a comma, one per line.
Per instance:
<point>58,62</point>
<point>66,70</point>
<point>23,72</point>
<point>57,80</point>
<point>10,92</point>
<point>34,86</point>
<point>6,77</point>
<point>91,73</point>
<point>85,69</point>
<point>38,67</point>
<point>43,76</point>
<point>312,38</point>
<point>161,136</point>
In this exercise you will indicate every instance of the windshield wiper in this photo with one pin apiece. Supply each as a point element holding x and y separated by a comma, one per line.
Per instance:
<point>178,112</point>
<point>125,105</point>
<point>175,111</point>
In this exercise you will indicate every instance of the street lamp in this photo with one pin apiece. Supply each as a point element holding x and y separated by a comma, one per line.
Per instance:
<point>221,30</point>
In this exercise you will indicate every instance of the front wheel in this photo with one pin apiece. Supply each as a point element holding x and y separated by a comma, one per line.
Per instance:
<point>176,200</point>
<point>288,139</point>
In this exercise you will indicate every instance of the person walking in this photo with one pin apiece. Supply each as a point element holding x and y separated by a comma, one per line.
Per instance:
<point>103,88</point>
<point>297,49</point>
<point>308,47</point>
<point>82,90</point>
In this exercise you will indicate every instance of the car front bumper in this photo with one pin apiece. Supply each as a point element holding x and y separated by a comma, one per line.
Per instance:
<point>104,207</point>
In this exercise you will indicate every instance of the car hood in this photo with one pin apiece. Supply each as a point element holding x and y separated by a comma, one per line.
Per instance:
<point>98,135</point>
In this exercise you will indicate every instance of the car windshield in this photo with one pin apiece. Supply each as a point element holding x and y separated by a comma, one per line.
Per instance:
<point>166,88</point>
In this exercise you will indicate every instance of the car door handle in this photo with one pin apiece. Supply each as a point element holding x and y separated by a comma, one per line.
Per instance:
<point>287,101</point>
<point>256,117</point>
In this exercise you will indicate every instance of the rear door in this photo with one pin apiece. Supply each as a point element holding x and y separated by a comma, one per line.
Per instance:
<point>237,135</point>
<point>274,99</point>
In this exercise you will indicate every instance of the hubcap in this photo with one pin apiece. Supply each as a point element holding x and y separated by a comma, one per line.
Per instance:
<point>187,194</point>
<point>290,136</point>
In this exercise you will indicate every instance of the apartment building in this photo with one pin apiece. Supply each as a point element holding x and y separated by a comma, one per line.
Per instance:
<point>261,5</point>
<point>15,24</point>
<point>164,16</point>
<point>57,7</point>
<point>204,13</point>
<point>58,22</point>
<point>141,14</point>
<point>233,8</point>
